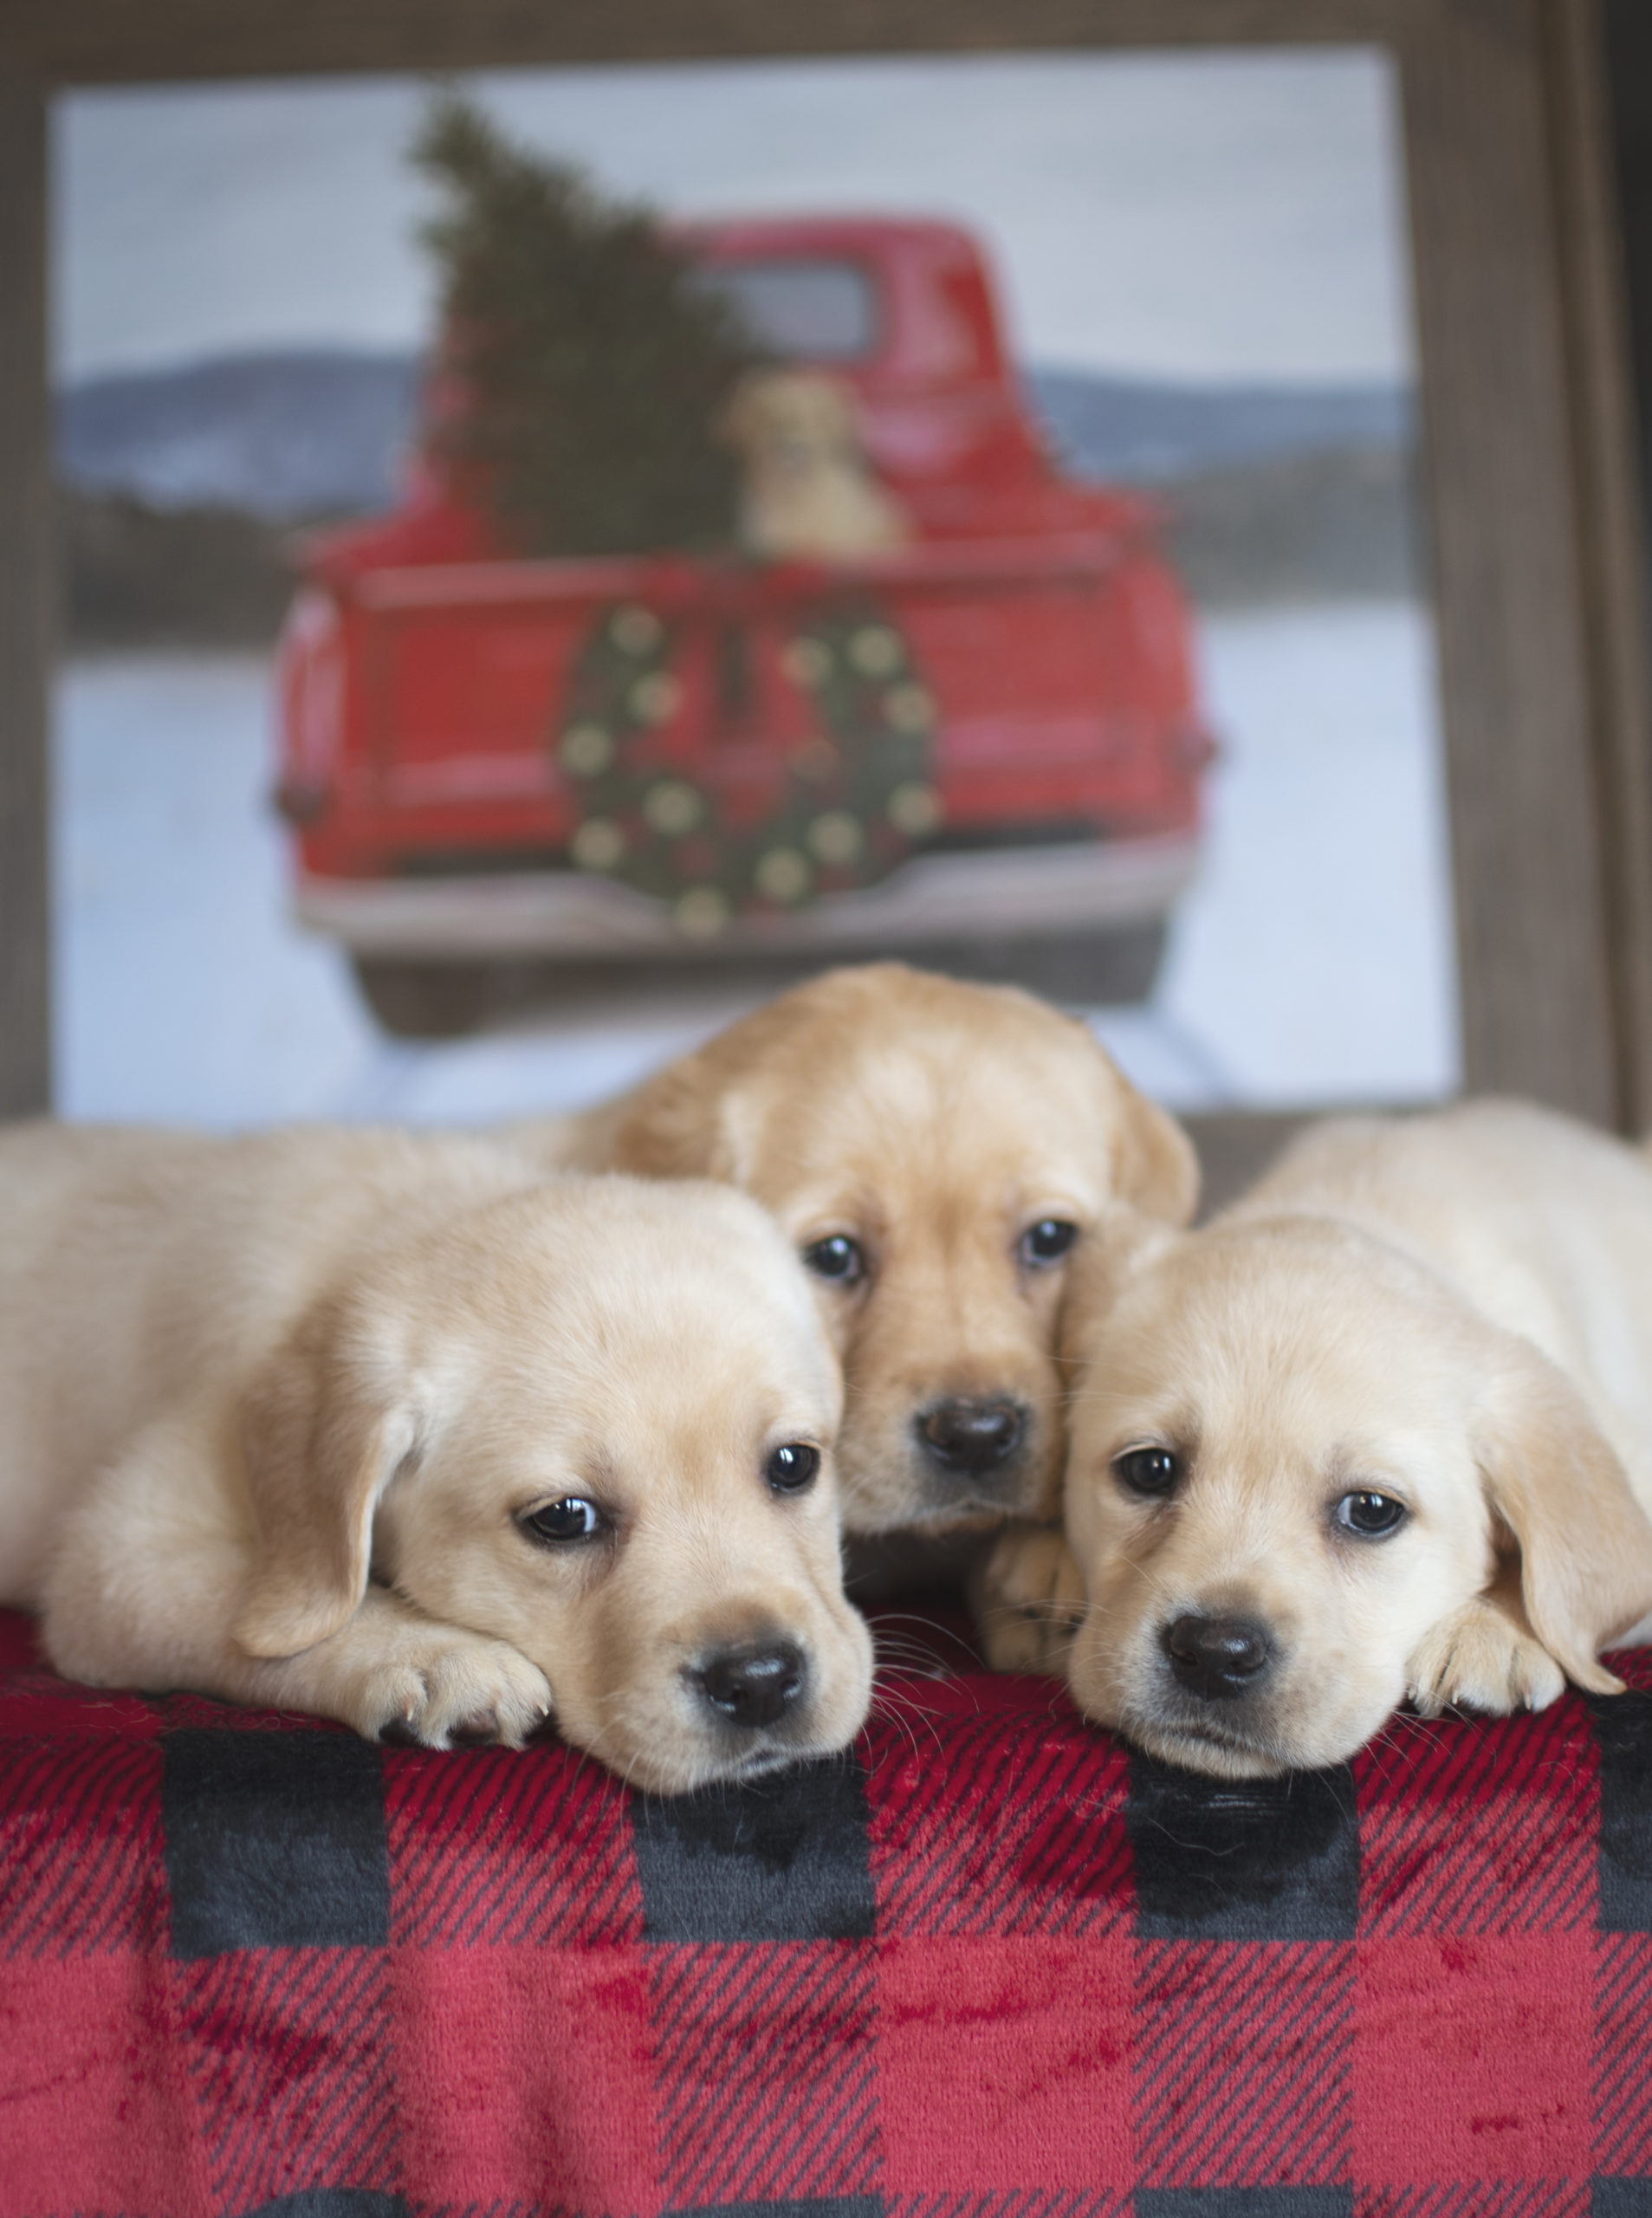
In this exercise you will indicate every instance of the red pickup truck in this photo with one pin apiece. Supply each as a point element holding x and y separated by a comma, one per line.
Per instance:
<point>1032,646</point>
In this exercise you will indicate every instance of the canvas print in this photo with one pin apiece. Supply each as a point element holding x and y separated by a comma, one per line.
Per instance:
<point>556,556</point>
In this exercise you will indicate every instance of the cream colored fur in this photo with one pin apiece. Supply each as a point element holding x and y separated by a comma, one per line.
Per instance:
<point>237,1378</point>
<point>1453,1311</point>
<point>932,1122</point>
<point>807,492</point>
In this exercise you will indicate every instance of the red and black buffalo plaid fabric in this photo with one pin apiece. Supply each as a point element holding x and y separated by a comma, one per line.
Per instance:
<point>992,1966</point>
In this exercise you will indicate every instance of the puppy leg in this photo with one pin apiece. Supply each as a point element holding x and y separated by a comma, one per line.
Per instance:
<point>145,1581</point>
<point>1026,1595</point>
<point>1480,1658</point>
<point>396,1674</point>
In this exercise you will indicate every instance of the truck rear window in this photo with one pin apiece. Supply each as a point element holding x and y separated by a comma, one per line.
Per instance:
<point>808,311</point>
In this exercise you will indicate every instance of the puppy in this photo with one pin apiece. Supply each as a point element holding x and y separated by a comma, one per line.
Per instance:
<point>935,1152</point>
<point>387,1429</point>
<point>807,492</point>
<point>1382,1429</point>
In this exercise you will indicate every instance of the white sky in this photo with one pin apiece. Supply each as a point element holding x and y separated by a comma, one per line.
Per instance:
<point>1207,217</point>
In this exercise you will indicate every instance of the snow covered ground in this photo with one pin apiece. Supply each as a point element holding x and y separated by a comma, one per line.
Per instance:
<point>1311,964</point>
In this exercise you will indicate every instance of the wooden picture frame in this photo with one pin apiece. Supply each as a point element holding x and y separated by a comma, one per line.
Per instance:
<point>1535,536</point>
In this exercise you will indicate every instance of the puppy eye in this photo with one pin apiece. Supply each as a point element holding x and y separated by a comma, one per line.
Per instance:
<point>837,1258</point>
<point>1370,1515</point>
<point>1047,1241</point>
<point>1148,1470</point>
<point>573,1518</point>
<point>793,1468</point>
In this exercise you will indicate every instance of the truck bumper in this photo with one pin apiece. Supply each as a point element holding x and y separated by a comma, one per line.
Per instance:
<point>1037,892</point>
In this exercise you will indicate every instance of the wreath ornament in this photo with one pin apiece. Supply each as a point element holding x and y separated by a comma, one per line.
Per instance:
<point>859,793</point>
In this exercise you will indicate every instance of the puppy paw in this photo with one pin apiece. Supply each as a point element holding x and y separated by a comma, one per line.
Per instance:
<point>1028,1597</point>
<point>1479,1658</point>
<point>416,1683</point>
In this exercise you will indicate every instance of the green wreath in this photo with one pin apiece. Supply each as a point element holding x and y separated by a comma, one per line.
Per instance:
<point>859,794</point>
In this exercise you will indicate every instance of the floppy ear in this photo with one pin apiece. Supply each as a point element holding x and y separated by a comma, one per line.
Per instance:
<point>690,1120</point>
<point>1154,1169</point>
<point>323,1431</point>
<point>1122,1244</point>
<point>1585,1543</point>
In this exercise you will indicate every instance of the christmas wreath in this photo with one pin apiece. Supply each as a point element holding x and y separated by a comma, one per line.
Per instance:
<point>859,793</point>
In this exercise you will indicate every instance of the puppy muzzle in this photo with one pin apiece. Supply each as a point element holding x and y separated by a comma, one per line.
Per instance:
<point>1210,1698</point>
<point>753,1686</point>
<point>1218,1658</point>
<point>973,1454</point>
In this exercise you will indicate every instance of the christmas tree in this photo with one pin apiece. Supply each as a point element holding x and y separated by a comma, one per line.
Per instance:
<point>593,368</point>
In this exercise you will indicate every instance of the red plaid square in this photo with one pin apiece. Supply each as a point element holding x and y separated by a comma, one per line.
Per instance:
<point>1005,2063</point>
<point>495,1845</point>
<point>286,2052</point>
<point>40,1706</point>
<point>525,2078</point>
<point>1482,1827</point>
<point>952,1851</point>
<point>1623,2054</point>
<point>94,2106</point>
<point>81,1847</point>
<point>192,1713</point>
<point>1242,2062</point>
<point>19,1644</point>
<point>766,2070</point>
<point>1473,2058</point>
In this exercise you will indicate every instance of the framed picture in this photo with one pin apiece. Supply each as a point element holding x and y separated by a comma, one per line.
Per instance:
<point>1166,541</point>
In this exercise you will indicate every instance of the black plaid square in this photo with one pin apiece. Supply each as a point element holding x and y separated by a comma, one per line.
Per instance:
<point>1014,2203</point>
<point>1244,2202</point>
<point>333,2202</point>
<point>274,1840</point>
<point>781,1859</point>
<point>1623,1728</point>
<point>1616,2198</point>
<point>1254,1859</point>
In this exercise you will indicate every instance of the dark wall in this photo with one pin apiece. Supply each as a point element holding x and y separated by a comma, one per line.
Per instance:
<point>1629,61</point>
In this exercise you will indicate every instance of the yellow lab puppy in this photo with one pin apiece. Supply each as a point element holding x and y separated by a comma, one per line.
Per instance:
<point>935,1152</point>
<point>808,491</point>
<point>388,1430</point>
<point>1382,1429</point>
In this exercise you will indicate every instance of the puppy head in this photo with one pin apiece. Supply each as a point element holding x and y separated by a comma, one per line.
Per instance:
<point>936,1152</point>
<point>595,1420</point>
<point>1294,1454</point>
<point>787,419</point>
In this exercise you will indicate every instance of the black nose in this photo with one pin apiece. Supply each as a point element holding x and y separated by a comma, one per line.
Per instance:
<point>754,1686</point>
<point>972,1436</point>
<point>1217,1658</point>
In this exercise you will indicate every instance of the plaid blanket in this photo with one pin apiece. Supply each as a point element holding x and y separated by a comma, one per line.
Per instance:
<point>993,1966</point>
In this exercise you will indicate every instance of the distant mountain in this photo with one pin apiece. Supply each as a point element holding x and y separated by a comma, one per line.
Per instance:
<point>317,432</point>
<point>1128,429</point>
<point>277,436</point>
